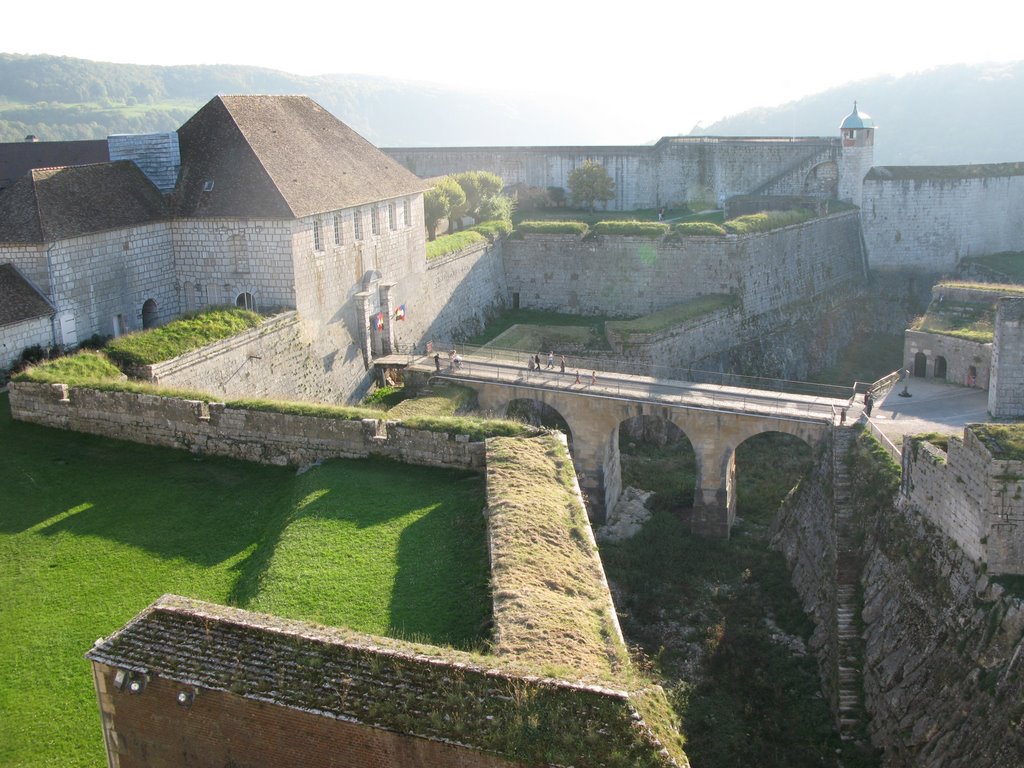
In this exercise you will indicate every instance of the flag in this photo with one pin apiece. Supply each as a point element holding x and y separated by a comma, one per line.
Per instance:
<point>380,321</point>
<point>400,313</point>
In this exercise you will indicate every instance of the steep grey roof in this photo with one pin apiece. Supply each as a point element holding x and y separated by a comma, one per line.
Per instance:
<point>19,157</point>
<point>53,203</point>
<point>280,156</point>
<point>19,299</point>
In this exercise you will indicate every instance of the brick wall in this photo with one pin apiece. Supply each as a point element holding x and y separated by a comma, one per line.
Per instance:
<point>961,356</point>
<point>265,437</point>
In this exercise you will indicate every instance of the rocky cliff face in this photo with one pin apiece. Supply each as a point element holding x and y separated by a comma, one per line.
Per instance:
<point>943,669</point>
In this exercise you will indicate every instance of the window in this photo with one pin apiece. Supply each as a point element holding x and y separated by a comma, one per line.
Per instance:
<point>246,301</point>
<point>392,216</point>
<point>318,236</point>
<point>375,220</point>
<point>357,224</point>
<point>337,229</point>
<point>407,211</point>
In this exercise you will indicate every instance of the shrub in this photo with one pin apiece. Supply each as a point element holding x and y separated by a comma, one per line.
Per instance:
<point>552,227</point>
<point>492,230</point>
<point>699,229</point>
<point>451,243</point>
<point>766,221</point>
<point>180,336</point>
<point>653,229</point>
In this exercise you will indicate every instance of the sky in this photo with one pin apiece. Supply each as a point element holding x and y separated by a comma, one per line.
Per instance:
<point>670,64</point>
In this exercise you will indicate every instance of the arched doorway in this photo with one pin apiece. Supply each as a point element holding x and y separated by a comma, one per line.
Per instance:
<point>920,365</point>
<point>149,314</point>
<point>246,301</point>
<point>940,367</point>
<point>972,376</point>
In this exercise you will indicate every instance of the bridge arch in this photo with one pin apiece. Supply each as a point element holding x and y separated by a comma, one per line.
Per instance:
<point>656,455</point>
<point>538,413</point>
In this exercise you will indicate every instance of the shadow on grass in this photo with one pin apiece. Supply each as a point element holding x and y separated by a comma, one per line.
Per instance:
<point>442,589</point>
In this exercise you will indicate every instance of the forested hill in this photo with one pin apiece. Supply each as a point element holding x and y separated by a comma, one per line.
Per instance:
<point>944,116</point>
<point>56,97</point>
<point>948,115</point>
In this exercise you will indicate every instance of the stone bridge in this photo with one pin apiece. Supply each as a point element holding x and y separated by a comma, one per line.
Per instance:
<point>716,419</point>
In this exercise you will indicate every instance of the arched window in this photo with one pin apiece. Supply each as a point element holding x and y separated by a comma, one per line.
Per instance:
<point>246,301</point>
<point>149,316</point>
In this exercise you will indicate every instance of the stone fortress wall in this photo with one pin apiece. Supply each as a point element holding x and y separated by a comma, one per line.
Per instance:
<point>930,218</point>
<point>674,170</point>
<point>974,497</point>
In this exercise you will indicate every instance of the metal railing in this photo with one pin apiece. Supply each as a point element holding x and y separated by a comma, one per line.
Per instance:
<point>602,365</point>
<point>648,389</point>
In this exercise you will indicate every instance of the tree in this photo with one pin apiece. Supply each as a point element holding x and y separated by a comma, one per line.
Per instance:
<point>589,183</point>
<point>445,199</point>
<point>479,187</point>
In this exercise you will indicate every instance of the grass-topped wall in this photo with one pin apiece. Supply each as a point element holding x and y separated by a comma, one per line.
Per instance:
<point>180,336</point>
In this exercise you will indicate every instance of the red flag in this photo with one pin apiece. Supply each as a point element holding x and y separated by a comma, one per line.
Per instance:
<point>380,321</point>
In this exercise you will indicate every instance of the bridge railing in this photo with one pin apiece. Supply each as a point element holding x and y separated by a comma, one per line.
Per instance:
<point>605,383</point>
<point>587,365</point>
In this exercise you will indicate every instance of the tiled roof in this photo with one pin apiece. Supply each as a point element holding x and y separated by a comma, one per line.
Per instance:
<point>19,299</point>
<point>280,156</point>
<point>19,157</point>
<point>55,203</point>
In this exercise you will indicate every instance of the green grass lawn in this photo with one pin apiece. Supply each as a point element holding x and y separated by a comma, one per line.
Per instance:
<point>536,317</point>
<point>93,530</point>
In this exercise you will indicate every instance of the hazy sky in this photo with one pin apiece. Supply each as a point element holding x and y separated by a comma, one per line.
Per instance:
<point>668,64</point>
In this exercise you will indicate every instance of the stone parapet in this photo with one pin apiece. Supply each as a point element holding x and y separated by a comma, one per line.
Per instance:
<point>266,437</point>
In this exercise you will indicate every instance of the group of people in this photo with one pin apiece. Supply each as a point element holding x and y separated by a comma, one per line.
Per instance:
<point>454,360</point>
<point>533,363</point>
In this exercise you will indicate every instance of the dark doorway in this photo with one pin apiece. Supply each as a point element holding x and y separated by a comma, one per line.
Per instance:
<point>920,365</point>
<point>149,316</point>
<point>940,367</point>
<point>972,376</point>
<point>246,301</point>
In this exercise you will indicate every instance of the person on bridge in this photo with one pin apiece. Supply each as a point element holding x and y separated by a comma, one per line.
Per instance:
<point>529,363</point>
<point>593,377</point>
<point>561,364</point>
<point>577,377</point>
<point>437,362</point>
<point>551,359</point>
<point>536,360</point>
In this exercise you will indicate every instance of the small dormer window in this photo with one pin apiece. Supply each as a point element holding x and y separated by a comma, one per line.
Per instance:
<point>208,185</point>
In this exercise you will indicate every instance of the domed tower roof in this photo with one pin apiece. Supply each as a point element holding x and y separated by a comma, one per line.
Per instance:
<point>857,120</point>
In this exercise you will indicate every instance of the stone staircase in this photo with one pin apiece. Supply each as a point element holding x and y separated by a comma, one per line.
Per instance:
<point>850,645</point>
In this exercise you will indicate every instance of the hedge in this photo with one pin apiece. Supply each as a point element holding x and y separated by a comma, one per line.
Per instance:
<point>493,229</point>
<point>652,229</point>
<point>766,221</point>
<point>552,227</point>
<point>699,229</point>
<point>446,244</point>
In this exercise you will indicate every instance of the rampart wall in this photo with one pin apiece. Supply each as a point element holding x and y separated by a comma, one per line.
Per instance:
<point>929,219</point>
<point>1006,391</point>
<point>633,276</point>
<point>261,436</point>
<point>961,356</point>
<point>974,498</point>
<point>705,169</point>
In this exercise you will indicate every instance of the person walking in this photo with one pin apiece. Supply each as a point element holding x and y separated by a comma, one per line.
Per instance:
<point>577,378</point>
<point>437,362</point>
<point>561,364</point>
<point>551,359</point>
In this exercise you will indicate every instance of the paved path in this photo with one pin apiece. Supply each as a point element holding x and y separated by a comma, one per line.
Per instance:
<point>707,396</point>
<point>934,406</point>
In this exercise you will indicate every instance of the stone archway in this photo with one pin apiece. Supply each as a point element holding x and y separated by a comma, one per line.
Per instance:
<point>656,455</point>
<point>149,314</point>
<point>540,414</point>
<point>940,367</point>
<point>920,365</point>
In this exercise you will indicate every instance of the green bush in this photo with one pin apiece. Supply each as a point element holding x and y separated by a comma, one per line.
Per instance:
<point>552,227</point>
<point>493,229</point>
<point>766,221</point>
<point>180,336</point>
<point>651,229</point>
<point>699,229</point>
<point>452,243</point>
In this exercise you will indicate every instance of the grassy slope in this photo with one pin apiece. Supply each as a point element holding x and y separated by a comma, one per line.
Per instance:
<point>93,530</point>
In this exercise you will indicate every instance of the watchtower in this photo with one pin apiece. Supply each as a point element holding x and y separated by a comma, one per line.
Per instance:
<point>857,154</point>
